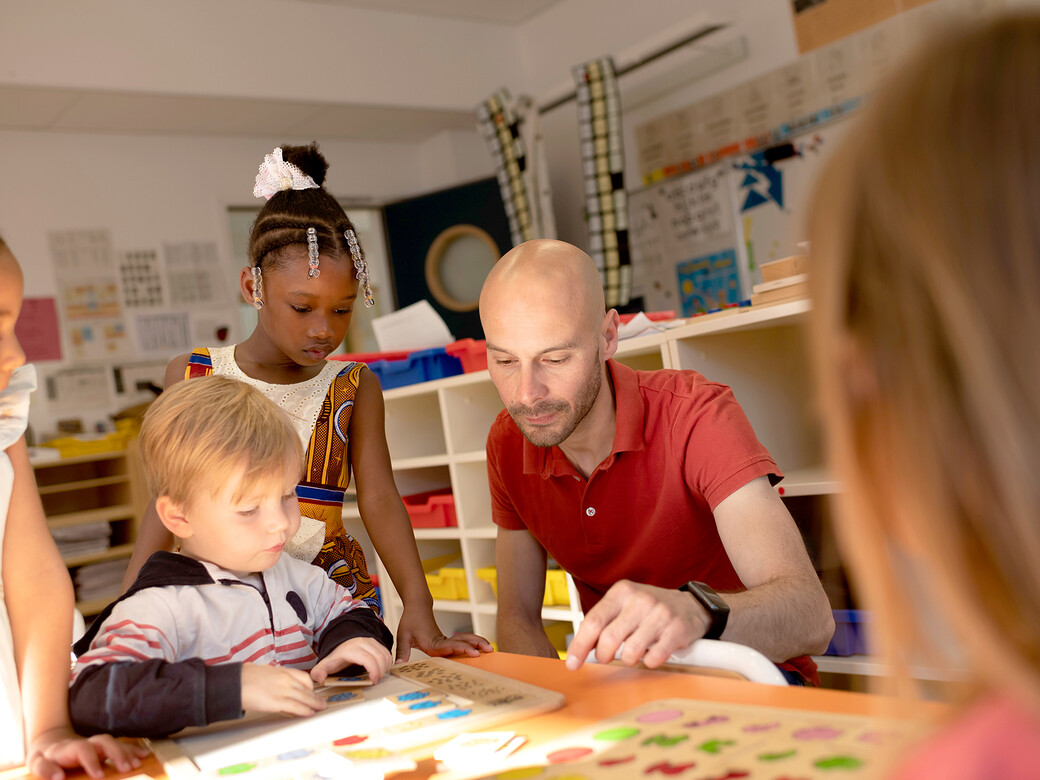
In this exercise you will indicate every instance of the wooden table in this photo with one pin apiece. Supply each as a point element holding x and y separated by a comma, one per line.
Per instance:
<point>599,691</point>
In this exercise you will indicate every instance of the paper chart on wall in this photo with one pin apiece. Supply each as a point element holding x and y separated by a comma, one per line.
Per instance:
<point>194,274</point>
<point>88,292</point>
<point>164,333</point>
<point>38,331</point>
<point>683,238</point>
<point>76,389</point>
<point>141,275</point>
<point>772,197</point>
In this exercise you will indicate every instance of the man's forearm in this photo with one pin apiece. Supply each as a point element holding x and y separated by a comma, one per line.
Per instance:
<point>783,618</point>
<point>523,637</point>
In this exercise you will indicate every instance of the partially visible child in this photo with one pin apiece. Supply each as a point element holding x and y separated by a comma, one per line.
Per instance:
<point>232,623</point>
<point>36,599</point>
<point>925,275</point>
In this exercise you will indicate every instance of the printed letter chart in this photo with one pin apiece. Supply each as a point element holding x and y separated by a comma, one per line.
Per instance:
<point>366,729</point>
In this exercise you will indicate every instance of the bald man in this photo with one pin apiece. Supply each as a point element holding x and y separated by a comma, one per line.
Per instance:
<point>649,487</point>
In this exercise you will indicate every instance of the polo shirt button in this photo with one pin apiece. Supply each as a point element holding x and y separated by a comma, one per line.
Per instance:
<point>591,511</point>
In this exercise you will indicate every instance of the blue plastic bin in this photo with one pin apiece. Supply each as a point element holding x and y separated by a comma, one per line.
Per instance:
<point>850,628</point>
<point>421,366</point>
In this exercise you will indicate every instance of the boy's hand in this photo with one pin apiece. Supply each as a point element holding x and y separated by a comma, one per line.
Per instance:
<point>277,689</point>
<point>61,747</point>
<point>359,650</point>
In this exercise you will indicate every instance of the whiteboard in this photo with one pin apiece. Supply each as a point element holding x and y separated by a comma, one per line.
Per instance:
<point>698,239</point>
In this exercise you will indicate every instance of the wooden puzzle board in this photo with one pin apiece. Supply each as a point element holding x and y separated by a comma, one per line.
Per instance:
<point>695,740</point>
<point>418,703</point>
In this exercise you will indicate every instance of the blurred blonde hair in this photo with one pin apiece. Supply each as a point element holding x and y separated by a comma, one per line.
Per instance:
<point>202,432</point>
<point>925,236</point>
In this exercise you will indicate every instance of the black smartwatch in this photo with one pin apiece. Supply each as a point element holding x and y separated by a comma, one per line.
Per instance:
<point>718,609</point>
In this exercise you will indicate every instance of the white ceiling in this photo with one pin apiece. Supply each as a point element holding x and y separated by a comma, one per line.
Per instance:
<point>507,12</point>
<point>101,111</point>
<point>86,111</point>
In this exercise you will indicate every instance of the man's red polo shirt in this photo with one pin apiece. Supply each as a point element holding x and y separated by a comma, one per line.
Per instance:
<point>681,446</point>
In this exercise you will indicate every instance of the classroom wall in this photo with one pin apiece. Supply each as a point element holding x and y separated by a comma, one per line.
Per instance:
<point>149,189</point>
<point>628,31</point>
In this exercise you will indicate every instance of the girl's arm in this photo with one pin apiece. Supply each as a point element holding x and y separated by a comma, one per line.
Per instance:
<point>152,535</point>
<point>39,599</point>
<point>387,523</point>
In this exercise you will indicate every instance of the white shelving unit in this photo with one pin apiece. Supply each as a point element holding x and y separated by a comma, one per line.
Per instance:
<point>437,430</point>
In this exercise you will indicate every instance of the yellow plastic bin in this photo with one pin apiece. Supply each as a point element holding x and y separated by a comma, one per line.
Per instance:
<point>556,589</point>
<point>558,634</point>
<point>448,584</point>
<point>555,586</point>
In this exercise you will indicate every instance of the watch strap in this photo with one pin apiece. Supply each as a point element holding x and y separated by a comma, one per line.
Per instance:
<point>714,605</point>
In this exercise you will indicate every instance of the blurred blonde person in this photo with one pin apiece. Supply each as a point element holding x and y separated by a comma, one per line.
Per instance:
<point>925,238</point>
<point>36,599</point>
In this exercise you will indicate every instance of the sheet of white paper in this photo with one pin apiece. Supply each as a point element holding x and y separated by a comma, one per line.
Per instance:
<point>637,326</point>
<point>417,326</point>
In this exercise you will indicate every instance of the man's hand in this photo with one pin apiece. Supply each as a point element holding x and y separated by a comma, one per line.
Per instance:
<point>61,747</point>
<point>362,650</point>
<point>277,689</point>
<point>652,622</point>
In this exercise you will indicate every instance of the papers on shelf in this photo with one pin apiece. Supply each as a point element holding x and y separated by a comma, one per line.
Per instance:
<point>414,327</point>
<point>641,325</point>
<point>82,539</point>
<point>100,580</point>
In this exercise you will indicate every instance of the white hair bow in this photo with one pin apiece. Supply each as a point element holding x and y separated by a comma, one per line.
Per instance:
<point>276,175</point>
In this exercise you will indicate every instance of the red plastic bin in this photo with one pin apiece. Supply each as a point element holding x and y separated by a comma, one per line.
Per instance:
<point>470,352</point>
<point>370,357</point>
<point>432,509</point>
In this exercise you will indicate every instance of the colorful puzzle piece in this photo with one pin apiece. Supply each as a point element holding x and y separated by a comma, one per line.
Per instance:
<point>698,740</point>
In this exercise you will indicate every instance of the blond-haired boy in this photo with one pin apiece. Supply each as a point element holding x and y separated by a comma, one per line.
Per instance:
<point>229,624</point>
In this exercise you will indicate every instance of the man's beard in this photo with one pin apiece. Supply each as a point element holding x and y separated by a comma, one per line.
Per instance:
<point>552,436</point>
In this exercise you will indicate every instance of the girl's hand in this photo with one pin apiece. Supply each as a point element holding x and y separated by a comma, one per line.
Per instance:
<point>419,629</point>
<point>62,747</point>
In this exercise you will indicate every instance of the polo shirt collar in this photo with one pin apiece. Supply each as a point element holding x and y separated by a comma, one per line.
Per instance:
<point>628,435</point>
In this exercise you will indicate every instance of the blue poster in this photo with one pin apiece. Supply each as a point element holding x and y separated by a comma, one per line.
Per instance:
<point>708,282</point>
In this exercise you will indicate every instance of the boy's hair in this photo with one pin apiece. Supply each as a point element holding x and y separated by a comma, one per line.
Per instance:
<point>284,219</point>
<point>199,433</point>
<point>925,240</point>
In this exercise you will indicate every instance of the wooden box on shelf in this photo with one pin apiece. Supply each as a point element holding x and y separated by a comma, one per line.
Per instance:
<point>87,492</point>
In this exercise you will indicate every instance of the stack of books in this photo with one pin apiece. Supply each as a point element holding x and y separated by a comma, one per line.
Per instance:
<point>782,280</point>
<point>82,539</point>
<point>100,581</point>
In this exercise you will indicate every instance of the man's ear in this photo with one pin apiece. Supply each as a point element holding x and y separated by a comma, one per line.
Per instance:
<point>173,517</point>
<point>609,333</point>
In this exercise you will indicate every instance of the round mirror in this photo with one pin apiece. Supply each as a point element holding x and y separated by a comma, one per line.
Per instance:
<point>457,263</point>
